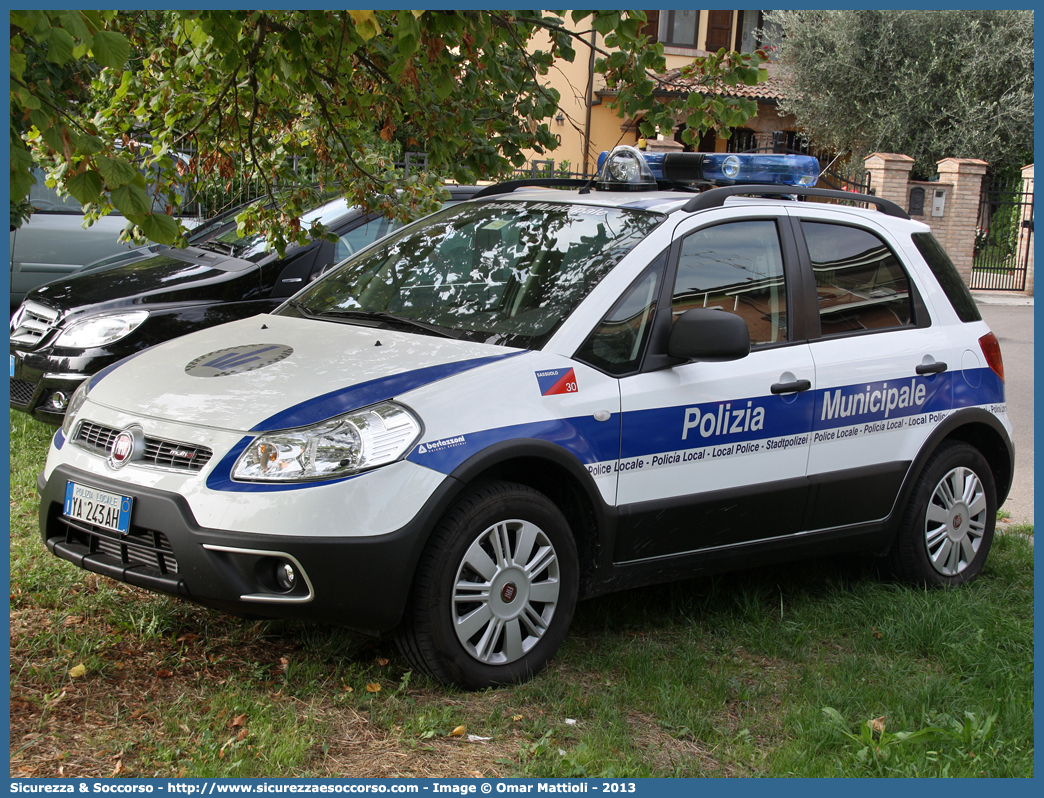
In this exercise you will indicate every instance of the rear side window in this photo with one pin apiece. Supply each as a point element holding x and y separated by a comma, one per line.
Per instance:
<point>947,276</point>
<point>859,281</point>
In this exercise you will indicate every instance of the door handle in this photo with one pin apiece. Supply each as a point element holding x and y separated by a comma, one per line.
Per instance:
<point>931,368</point>
<point>791,387</point>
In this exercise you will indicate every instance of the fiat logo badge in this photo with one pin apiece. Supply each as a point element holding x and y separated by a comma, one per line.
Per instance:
<point>509,592</point>
<point>126,446</point>
<point>957,521</point>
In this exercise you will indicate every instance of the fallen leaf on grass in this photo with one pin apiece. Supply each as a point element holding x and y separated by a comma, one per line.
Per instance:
<point>382,661</point>
<point>239,720</point>
<point>116,771</point>
<point>457,732</point>
<point>877,726</point>
<point>877,634</point>
<point>516,718</point>
<point>373,687</point>
<point>78,670</point>
<point>164,673</point>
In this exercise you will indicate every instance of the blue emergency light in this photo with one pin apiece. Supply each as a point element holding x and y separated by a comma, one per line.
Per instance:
<point>627,169</point>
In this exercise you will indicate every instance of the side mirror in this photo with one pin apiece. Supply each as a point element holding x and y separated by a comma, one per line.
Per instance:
<point>709,334</point>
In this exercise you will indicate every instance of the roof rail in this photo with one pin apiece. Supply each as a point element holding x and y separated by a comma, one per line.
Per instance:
<point>716,197</point>
<point>547,182</point>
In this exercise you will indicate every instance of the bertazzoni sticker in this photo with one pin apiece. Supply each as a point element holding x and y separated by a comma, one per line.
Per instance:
<point>237,359</point>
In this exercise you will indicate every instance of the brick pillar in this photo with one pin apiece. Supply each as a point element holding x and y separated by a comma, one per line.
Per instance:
<point>889,175</point>
<point>956,232</point>
<point>1025,250</point>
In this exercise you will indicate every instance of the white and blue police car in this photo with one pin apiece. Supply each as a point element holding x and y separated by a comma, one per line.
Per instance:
<point>541,395</point>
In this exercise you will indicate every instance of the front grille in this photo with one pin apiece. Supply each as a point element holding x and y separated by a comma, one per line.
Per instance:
<point>158,452</point>
<point>147,547</point>
<point>22,392</point>
<point>32,323</point>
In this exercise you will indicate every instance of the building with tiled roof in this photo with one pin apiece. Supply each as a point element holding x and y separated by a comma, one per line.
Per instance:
<point>585,125</point>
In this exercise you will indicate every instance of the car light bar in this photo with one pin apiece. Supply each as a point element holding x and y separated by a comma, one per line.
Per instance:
<point>620,170</point>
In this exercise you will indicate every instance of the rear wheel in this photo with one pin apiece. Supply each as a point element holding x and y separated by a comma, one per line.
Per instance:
<point>948,526</point>
<point>495,589</point>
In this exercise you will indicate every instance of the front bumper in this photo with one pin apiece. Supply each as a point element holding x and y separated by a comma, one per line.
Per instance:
<point>359,582</point>
<point>37,379</point>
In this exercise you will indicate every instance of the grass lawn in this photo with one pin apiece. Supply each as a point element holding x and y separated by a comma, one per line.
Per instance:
<point>825,669</point>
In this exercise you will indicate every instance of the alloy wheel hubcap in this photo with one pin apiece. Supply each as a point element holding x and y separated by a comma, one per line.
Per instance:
<point>505,592</point>
<point>955,522</point>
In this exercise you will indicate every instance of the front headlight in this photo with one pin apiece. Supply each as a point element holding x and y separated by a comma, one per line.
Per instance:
<point>101,330</point>
<point>337,447</point>
<point>75,403</point>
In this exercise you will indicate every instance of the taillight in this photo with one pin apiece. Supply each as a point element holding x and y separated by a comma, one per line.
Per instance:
<point>991,349</point>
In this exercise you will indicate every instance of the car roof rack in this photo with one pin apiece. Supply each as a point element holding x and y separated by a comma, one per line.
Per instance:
<point>546,182</point>
<point>715,197</point>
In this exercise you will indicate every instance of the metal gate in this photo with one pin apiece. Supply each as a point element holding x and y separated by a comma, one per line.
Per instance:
<point>1003,235</point>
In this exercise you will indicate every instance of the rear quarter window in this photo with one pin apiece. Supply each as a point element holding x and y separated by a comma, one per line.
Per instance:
<point>947,276</point>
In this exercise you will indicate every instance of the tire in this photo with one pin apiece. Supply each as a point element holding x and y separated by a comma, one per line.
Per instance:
<point>948,526</point>
<point>478,618</point>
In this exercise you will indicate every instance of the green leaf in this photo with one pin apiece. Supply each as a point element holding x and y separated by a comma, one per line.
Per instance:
<point>125,84</point>
<point>606,21</point>
<point>17,65</point>
<point>86,187</point>
<point>110,49</point>
<point>28,100</point>
<point>22,179</point>
<point>90,145</point>
<point>160,227</point>
<point>116,171</point>
<point>74,22</point>
<point>444,87</point>
<point>130,200</point>
<point>60,46</point>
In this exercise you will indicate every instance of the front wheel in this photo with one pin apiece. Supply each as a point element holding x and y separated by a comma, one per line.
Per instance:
<point>948,526</point>
<point>495,589</point>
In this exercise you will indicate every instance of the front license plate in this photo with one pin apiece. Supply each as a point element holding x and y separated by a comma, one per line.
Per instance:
<point>98,507</point>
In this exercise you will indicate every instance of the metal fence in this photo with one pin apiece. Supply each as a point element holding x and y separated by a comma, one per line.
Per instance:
<point>1003,235</point>
<point>212,197</point>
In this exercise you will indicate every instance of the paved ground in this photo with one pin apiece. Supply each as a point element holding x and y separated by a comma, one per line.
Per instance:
<point>1010,316</point>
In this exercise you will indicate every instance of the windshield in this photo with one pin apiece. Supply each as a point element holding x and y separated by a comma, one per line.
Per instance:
<point>501,272</point>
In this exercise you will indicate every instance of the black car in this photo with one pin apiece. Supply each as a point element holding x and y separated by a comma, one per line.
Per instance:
<point>67,330</point>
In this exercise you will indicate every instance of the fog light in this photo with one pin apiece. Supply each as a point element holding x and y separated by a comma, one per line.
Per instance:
<point>58,401</point>
<point>285,576</point>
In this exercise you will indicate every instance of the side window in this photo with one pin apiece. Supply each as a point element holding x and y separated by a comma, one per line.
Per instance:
<point>616,344</point>
<point>860,284</point>
<point>737,267</point>
<point>362,236</point>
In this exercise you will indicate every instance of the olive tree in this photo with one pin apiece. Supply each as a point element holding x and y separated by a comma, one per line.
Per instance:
<point>929,84</point>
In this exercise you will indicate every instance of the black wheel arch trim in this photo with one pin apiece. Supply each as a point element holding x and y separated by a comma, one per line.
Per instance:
<point>957,420</point>
<point>498,454</point>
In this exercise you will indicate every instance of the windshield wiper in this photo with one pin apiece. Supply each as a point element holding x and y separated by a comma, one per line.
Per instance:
<point>301,306</point>
<point>388,318</point>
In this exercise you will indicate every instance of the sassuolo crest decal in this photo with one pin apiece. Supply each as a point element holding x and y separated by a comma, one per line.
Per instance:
<point>237,359</point>
<point>555,381</point>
